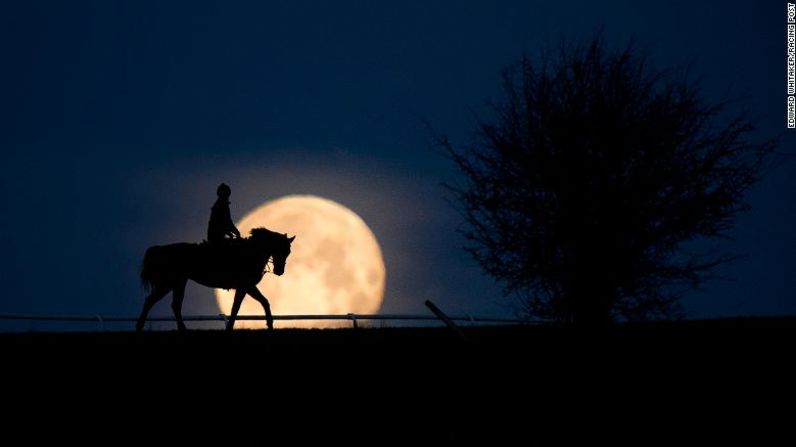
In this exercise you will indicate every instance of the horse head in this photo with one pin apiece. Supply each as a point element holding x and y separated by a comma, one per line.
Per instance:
<point>274,244</point>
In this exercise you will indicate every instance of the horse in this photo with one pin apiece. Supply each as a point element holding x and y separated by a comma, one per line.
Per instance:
<point>237,264</point>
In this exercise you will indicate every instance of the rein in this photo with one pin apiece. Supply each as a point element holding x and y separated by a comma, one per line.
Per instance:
<point>268,268</point>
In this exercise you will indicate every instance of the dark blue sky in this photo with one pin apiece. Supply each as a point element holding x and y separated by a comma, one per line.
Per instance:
<point>119,118</point>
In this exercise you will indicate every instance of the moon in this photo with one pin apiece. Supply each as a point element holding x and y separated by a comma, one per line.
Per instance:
<point>335,266</point>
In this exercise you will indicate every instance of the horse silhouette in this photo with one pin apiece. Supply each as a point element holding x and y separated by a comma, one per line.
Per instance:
<point>238,264</point>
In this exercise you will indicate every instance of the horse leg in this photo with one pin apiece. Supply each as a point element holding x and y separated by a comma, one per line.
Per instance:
<point>157,294</point>
<point>255,293</point>
<point>239,295</point>
<point>176,304</point>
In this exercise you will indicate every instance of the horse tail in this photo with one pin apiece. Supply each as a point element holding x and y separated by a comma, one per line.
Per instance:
<point>148,269</point>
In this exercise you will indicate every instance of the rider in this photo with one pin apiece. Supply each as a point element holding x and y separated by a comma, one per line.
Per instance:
<point>221,225</point>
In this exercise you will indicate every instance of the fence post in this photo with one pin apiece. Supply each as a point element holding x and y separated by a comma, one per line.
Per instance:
<point>448,322</point>
<point>353,318</point>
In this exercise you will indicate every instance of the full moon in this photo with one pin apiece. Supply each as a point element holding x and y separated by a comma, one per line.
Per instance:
<point>335,265</point>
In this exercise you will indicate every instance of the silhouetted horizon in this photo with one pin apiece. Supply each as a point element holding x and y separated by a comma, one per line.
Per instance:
<point>120,120</point>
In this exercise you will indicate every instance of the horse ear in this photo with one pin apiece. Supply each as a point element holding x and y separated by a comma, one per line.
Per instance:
<point>291,239</point>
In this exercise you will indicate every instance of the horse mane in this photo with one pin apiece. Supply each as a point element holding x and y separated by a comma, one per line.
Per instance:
<point>262,232</point>
<point>255,233</point>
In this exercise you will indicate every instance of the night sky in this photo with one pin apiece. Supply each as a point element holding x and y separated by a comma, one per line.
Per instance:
<point>120,118</point>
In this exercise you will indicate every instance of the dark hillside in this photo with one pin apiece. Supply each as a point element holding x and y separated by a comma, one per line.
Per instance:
<point>403,384</point>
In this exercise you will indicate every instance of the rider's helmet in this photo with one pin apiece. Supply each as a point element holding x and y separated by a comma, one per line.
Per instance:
<point>223,190</point>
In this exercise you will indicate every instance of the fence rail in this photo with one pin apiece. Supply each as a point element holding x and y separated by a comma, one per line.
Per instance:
<point>353,318</point>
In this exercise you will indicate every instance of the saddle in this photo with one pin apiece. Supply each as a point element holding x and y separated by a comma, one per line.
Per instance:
<point>226,247</point>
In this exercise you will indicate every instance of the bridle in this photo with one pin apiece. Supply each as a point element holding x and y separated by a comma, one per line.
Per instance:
<point>269,265</point>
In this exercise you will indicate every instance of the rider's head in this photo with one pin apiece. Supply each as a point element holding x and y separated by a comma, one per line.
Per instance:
<point>223,190</point>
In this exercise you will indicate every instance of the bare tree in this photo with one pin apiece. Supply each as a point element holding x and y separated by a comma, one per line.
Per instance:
<point>590,177</point>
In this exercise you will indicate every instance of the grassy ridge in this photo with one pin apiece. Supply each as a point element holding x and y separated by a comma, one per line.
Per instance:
<point>689,339</point>
<point>407,384</point>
